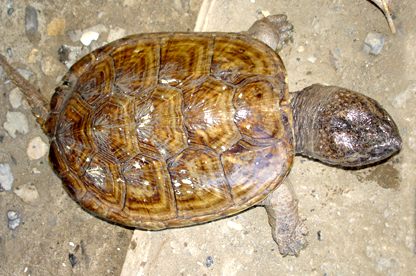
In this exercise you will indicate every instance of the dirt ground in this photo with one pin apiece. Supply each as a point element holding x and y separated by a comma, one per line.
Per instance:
<point>360,221</point>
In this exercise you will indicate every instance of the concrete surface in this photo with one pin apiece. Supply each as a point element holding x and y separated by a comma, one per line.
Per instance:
<point>360,221</point>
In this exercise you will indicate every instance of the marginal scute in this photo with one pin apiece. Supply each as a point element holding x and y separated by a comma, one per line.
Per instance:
<point>102,176</point>
<point>73,134</point>
<point>56,159</point>
<point>199,183</point>
<point>96,83</point>
<point>149,190</point>
<point>237,59</point>
<point>253,172</point>
<point>184,58</point>
<point>74,186</point>
<point>78,68</point>
<point>136,65</point>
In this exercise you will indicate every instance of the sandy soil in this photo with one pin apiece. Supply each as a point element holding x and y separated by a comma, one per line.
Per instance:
<point>360,222</point>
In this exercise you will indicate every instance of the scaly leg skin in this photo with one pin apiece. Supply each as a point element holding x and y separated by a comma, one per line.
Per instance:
<point>274,31</point>
<point>288,229</point>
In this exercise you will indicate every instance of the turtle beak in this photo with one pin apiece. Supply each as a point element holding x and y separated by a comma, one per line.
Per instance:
<point>391,146</point>
<point>383,138</point>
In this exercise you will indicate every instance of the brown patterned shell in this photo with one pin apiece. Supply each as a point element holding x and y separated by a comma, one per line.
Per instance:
<point>172,129</point>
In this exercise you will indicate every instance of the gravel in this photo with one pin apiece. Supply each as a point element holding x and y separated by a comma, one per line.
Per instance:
<point>32,24</point>
<point>373,43</point>
<point>16,123</point>
<point>36,148</point>
<point>13,220</point>
<point>6,177</point>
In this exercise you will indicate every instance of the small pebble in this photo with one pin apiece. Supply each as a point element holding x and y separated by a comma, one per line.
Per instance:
<point>265,13</point>
<point>6,177</point>
<point>234,225</point>
<point>385,265</point>
<point>402,99</point>
<point>27,192</point>
<point>36,148</point>
<point>312,59</point>
<point>115,34</point>
<point>32,24</point>
<point>25,73</point>
<point>129,3</point>
<point>63,53</point>
<point>373,43</point>
<point>319,235</point>
<point>74,35</point>
<point>56,26</point>
<point>33,56</point>
<point>10,11</point>
<point>68,55</point>
<point>301,49</point>
<point>209,261</point>
<point>336,58</point>
<point>9,52</point>
<point>49,66</point>
<point>15,98</point>
<point>178,5</point>
<point>16,122</point>
<point>412,143</point>
<point>92,33</point>
<point>9,7</point>
<point>35,171</point>
<point>13,219</point>
<point>88,37</point>
<point>72,259</point>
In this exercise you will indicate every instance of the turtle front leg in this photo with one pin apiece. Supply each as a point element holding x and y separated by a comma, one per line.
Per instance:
<point>274,31</point>
<point>288,229</point>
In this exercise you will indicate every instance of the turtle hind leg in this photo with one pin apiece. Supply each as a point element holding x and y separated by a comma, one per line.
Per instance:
<point>274,30</point>
<point>33,96</point>
<point>288,230</point>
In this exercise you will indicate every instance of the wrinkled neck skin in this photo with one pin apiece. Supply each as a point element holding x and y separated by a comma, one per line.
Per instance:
<point>342,128</point>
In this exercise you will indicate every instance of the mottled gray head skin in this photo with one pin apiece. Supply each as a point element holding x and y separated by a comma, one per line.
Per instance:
<point>342,127</point>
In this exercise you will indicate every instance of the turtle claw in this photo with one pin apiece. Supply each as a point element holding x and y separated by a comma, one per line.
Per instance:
<point>291,243</point>
<point>274,30</point>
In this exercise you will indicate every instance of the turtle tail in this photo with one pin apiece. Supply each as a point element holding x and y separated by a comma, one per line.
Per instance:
<point>37,102</point>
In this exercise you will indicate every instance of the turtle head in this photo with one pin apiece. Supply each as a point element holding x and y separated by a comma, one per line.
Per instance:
<point>342,127</point>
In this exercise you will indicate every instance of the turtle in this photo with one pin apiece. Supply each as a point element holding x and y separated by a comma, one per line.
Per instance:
<point>165,130</point>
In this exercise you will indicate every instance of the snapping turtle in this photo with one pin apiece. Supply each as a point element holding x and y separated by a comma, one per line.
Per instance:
<point>166,130</point>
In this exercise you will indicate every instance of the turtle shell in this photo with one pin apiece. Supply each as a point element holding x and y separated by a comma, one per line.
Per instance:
<point>172,129</point>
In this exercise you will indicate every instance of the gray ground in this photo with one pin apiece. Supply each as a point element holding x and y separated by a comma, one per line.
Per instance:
<point>360,222</point>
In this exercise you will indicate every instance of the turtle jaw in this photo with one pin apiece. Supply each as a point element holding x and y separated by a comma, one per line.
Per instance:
<point>373,155</point>
<point>385,150</point>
